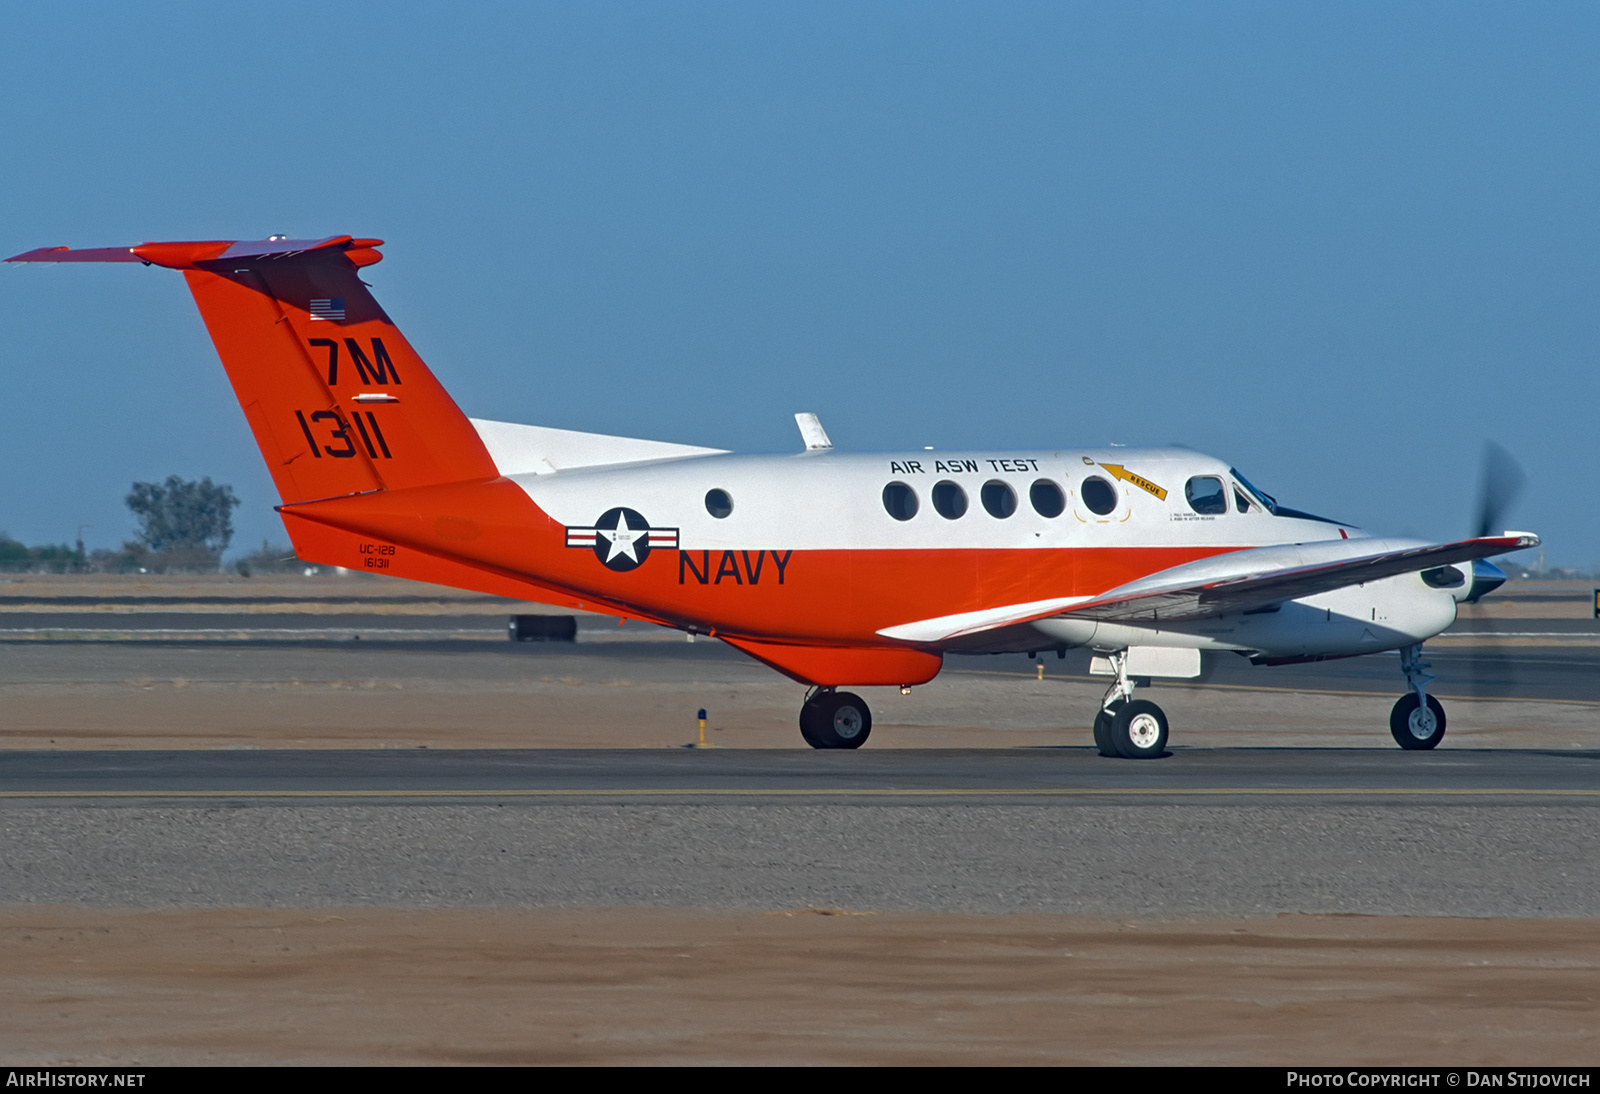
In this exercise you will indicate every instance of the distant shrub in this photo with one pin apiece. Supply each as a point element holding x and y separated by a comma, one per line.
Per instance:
<point>184,525</point>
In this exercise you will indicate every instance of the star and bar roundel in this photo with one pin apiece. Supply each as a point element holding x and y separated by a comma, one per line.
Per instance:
<point>621,539</point>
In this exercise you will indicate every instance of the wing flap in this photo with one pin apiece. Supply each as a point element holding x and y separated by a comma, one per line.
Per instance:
<point>188,255</point>
<point>945,627</point>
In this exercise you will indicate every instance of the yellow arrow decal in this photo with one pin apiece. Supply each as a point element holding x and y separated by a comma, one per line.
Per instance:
<point>1120,472</point>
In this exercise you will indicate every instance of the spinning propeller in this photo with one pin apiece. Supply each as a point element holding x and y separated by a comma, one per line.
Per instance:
<point>1498,487</point>
<point>1487,671</point>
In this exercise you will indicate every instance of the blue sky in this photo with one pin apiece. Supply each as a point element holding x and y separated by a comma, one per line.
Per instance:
<point>1340,245</point>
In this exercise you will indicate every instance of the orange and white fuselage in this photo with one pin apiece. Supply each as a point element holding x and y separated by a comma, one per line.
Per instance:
<point>836,568</point>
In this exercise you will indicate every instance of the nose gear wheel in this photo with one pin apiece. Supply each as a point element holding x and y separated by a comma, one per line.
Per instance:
<point>1415,726</point>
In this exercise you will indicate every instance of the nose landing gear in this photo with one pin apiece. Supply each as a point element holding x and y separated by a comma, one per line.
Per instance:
<point>835,719</point>
<point>1417,720</point>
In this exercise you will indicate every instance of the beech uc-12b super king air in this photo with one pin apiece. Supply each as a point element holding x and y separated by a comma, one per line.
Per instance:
<point>835,568</point>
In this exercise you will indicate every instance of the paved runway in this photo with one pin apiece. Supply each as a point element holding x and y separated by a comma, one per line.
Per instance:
<point>1508,831</point>
<point>1202,833</point>
<point>1039,776</point>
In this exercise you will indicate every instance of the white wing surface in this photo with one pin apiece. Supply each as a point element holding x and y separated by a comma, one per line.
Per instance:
<point>1239,581</point>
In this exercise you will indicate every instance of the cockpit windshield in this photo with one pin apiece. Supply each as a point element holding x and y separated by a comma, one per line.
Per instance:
<point>1268,502</point>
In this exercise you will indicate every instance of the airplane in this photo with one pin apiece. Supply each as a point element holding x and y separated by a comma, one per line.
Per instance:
<point>838,569</point>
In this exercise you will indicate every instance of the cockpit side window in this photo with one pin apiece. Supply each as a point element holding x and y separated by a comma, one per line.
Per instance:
<point>1241,504</point>
<point>1206,495</point>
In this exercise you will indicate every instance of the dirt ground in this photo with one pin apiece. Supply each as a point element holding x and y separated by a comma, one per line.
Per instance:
<point>601,704</point>
<point>642,986</point>
<point>217,697</point>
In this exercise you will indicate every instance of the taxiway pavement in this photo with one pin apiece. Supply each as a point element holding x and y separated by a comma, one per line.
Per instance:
<point>1202,833</point>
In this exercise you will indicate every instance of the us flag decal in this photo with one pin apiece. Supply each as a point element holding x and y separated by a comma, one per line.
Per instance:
<point>328,308</point>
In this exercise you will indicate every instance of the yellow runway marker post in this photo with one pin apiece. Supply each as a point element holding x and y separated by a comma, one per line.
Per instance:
<point>701,743</point>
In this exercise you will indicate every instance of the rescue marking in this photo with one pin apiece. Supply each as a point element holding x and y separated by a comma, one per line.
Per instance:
<point>1120,472</point>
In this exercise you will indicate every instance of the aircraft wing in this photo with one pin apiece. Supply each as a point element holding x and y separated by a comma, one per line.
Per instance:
<point>1259,578</point>
<point>1238,581</point>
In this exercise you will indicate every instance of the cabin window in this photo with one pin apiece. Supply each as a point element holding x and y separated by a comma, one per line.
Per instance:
<point>1047,498</point>
<point>998,499</point>
<point>1206,495</point>
<point>949,500</point>
<point>900,501</point>
<point>1098,495</point>
<point>718,503</point>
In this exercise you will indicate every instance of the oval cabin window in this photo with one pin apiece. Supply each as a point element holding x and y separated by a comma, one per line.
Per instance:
<point>900,501</point>
<point>1098,495</point>
<point>999,500</point>
<point>1047,498</point>
<point>949,500</point>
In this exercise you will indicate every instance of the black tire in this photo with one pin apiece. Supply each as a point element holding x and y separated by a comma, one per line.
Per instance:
<point>1102,730</point>
<point>836,720</point>
<point>807,715</point>
<point>1414,730</point>
<point>1139,731</point>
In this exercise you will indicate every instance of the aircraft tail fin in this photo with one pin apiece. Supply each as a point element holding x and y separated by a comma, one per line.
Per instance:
<point>338,400</point>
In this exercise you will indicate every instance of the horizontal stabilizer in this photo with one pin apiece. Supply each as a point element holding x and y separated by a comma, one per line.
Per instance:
<point>195,255</point>
<point>66,254</point>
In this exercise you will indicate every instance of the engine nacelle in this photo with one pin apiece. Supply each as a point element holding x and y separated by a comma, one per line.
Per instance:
<point>1379,615</point>
<point>1468,582</point>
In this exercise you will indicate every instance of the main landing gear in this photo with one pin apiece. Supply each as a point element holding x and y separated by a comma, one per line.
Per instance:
<point>1417,720</point>
<point>835,719</point>
<point>1135,729</point>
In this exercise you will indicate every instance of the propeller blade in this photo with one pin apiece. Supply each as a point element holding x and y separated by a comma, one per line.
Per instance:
<point>1497,489</point>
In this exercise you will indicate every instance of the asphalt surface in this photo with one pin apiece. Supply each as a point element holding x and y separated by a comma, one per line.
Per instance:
<point>1042,776</point>
<point>1202,832</point>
